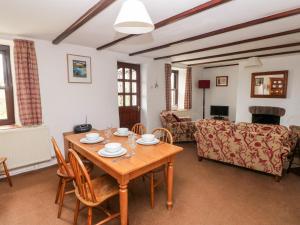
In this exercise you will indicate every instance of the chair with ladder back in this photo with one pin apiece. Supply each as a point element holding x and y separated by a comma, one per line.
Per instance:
<point>92,192</point>
<point>139,129</point>
<point>5,170</point>
<point>165,136</point>
<point>65,174</point>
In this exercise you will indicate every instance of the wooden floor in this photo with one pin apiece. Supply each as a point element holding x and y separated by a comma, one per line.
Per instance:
<point>206,193</point>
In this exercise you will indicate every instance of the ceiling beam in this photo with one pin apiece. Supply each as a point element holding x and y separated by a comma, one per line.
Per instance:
<point>224,30</point>
<point>240,58</point>
<point>172,19</point>
<point>241,52</point>
<point>96,9</point>
<point>209,67</point>
<point>233,43</point>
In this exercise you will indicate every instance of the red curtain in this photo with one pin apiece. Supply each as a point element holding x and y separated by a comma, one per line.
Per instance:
<point>27,80</point>
<point>188,89</point>
<point>168,71</point>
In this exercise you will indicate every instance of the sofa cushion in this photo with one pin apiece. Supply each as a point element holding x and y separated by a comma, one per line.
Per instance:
<point>215,124</point>
<point>176,117</point>
<point>169,118</point>
<point>265,129</point>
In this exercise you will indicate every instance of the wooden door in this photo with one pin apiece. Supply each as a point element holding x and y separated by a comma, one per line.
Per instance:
<point>129,94</point>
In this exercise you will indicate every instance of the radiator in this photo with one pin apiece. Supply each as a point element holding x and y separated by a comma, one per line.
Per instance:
<point>25,146</point>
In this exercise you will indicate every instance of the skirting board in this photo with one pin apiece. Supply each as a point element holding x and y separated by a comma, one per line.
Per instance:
<point>31,168</point>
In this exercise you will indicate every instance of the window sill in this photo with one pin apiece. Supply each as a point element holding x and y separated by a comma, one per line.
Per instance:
<point>8,127</point>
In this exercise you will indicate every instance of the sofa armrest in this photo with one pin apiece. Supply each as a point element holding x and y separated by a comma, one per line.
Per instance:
<point>197,136</point>
<point>180,127</point>
<point>185,119</point>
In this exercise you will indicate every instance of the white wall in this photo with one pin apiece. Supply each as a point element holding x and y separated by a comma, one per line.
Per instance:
<point>225,96</point>
<point>67,104</point>
<point>291,103</point>
<point>155,96</point>
<point>196,111</point>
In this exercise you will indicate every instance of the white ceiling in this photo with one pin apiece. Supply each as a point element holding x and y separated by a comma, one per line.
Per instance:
<point>46,19</point>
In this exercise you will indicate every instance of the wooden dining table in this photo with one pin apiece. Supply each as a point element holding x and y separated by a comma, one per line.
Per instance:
<point>145,159</point>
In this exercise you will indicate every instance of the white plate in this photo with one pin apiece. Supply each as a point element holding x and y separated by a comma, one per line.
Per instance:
<point>141,142</point>
<point>86,141</point>
<point>104,153</point>
<point>121,135</point>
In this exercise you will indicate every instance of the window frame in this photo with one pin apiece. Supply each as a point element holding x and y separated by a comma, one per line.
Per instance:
<point>175,88</point>
<point>8,86</point>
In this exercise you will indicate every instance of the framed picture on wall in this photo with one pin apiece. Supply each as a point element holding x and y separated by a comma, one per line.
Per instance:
<point>222,81</point>
<point>79,69</point>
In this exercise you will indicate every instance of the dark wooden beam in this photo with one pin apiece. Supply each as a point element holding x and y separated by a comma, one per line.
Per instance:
<point>240,58</point>
<point>190,12</point>
<point>233,43</point>
<point>172,19</point>
<point>116,41</point>
<point>224,30</point>
<point>241,52</point>
<point>209,67</point>
<point>96,9</point>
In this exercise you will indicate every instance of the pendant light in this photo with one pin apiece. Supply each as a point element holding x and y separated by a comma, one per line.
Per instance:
<point>133,18</point>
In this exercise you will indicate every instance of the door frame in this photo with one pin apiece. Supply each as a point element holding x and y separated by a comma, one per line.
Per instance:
<point>137,68</point>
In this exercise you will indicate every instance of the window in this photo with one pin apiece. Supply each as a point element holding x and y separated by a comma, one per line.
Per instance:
<point>174,88</point>
<point>6,89</point>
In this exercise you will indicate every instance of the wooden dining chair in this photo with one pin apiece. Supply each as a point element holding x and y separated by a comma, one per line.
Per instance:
<point>92,193</point>
<point>165,136</point>
<point>65,174</point>
<point>5,170</point>
<point>139,129</point>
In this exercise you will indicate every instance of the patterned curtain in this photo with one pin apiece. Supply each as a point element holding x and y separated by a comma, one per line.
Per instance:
<point>27,80</point>
<point>168,71</point>
<point>188,89</point>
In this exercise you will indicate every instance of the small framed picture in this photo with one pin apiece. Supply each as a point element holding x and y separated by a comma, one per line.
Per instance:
<point>222,81</point>
<point>79,69</point>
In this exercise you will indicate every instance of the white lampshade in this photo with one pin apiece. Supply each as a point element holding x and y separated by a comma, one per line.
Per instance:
<point>133,18</point>
<point>253,61</point>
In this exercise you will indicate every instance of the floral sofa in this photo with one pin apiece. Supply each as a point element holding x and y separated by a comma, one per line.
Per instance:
<point>254,146</point>
<point>182,129</point>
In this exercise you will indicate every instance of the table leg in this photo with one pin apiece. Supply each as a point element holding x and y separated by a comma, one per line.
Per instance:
<point>170,185</point>
<point>123,191</point>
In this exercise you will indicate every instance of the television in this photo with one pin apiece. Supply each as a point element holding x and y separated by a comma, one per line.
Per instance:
<point>217,110</point>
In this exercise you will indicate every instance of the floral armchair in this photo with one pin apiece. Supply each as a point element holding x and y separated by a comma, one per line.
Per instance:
<point>254,146</point>
<point>182,129</point>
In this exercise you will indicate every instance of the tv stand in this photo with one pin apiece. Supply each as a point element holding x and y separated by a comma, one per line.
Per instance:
<point>220,118</point>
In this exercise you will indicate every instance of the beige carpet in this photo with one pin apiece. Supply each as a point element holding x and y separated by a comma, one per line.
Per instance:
<point>206,193</point>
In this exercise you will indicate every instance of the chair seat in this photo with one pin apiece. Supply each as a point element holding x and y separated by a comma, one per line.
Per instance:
<point>64,174</point>
<point>104,187</point>
<point>156,170</point>
<point>88,165</point>
<point>2,159</point>
<point>159,169</point>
